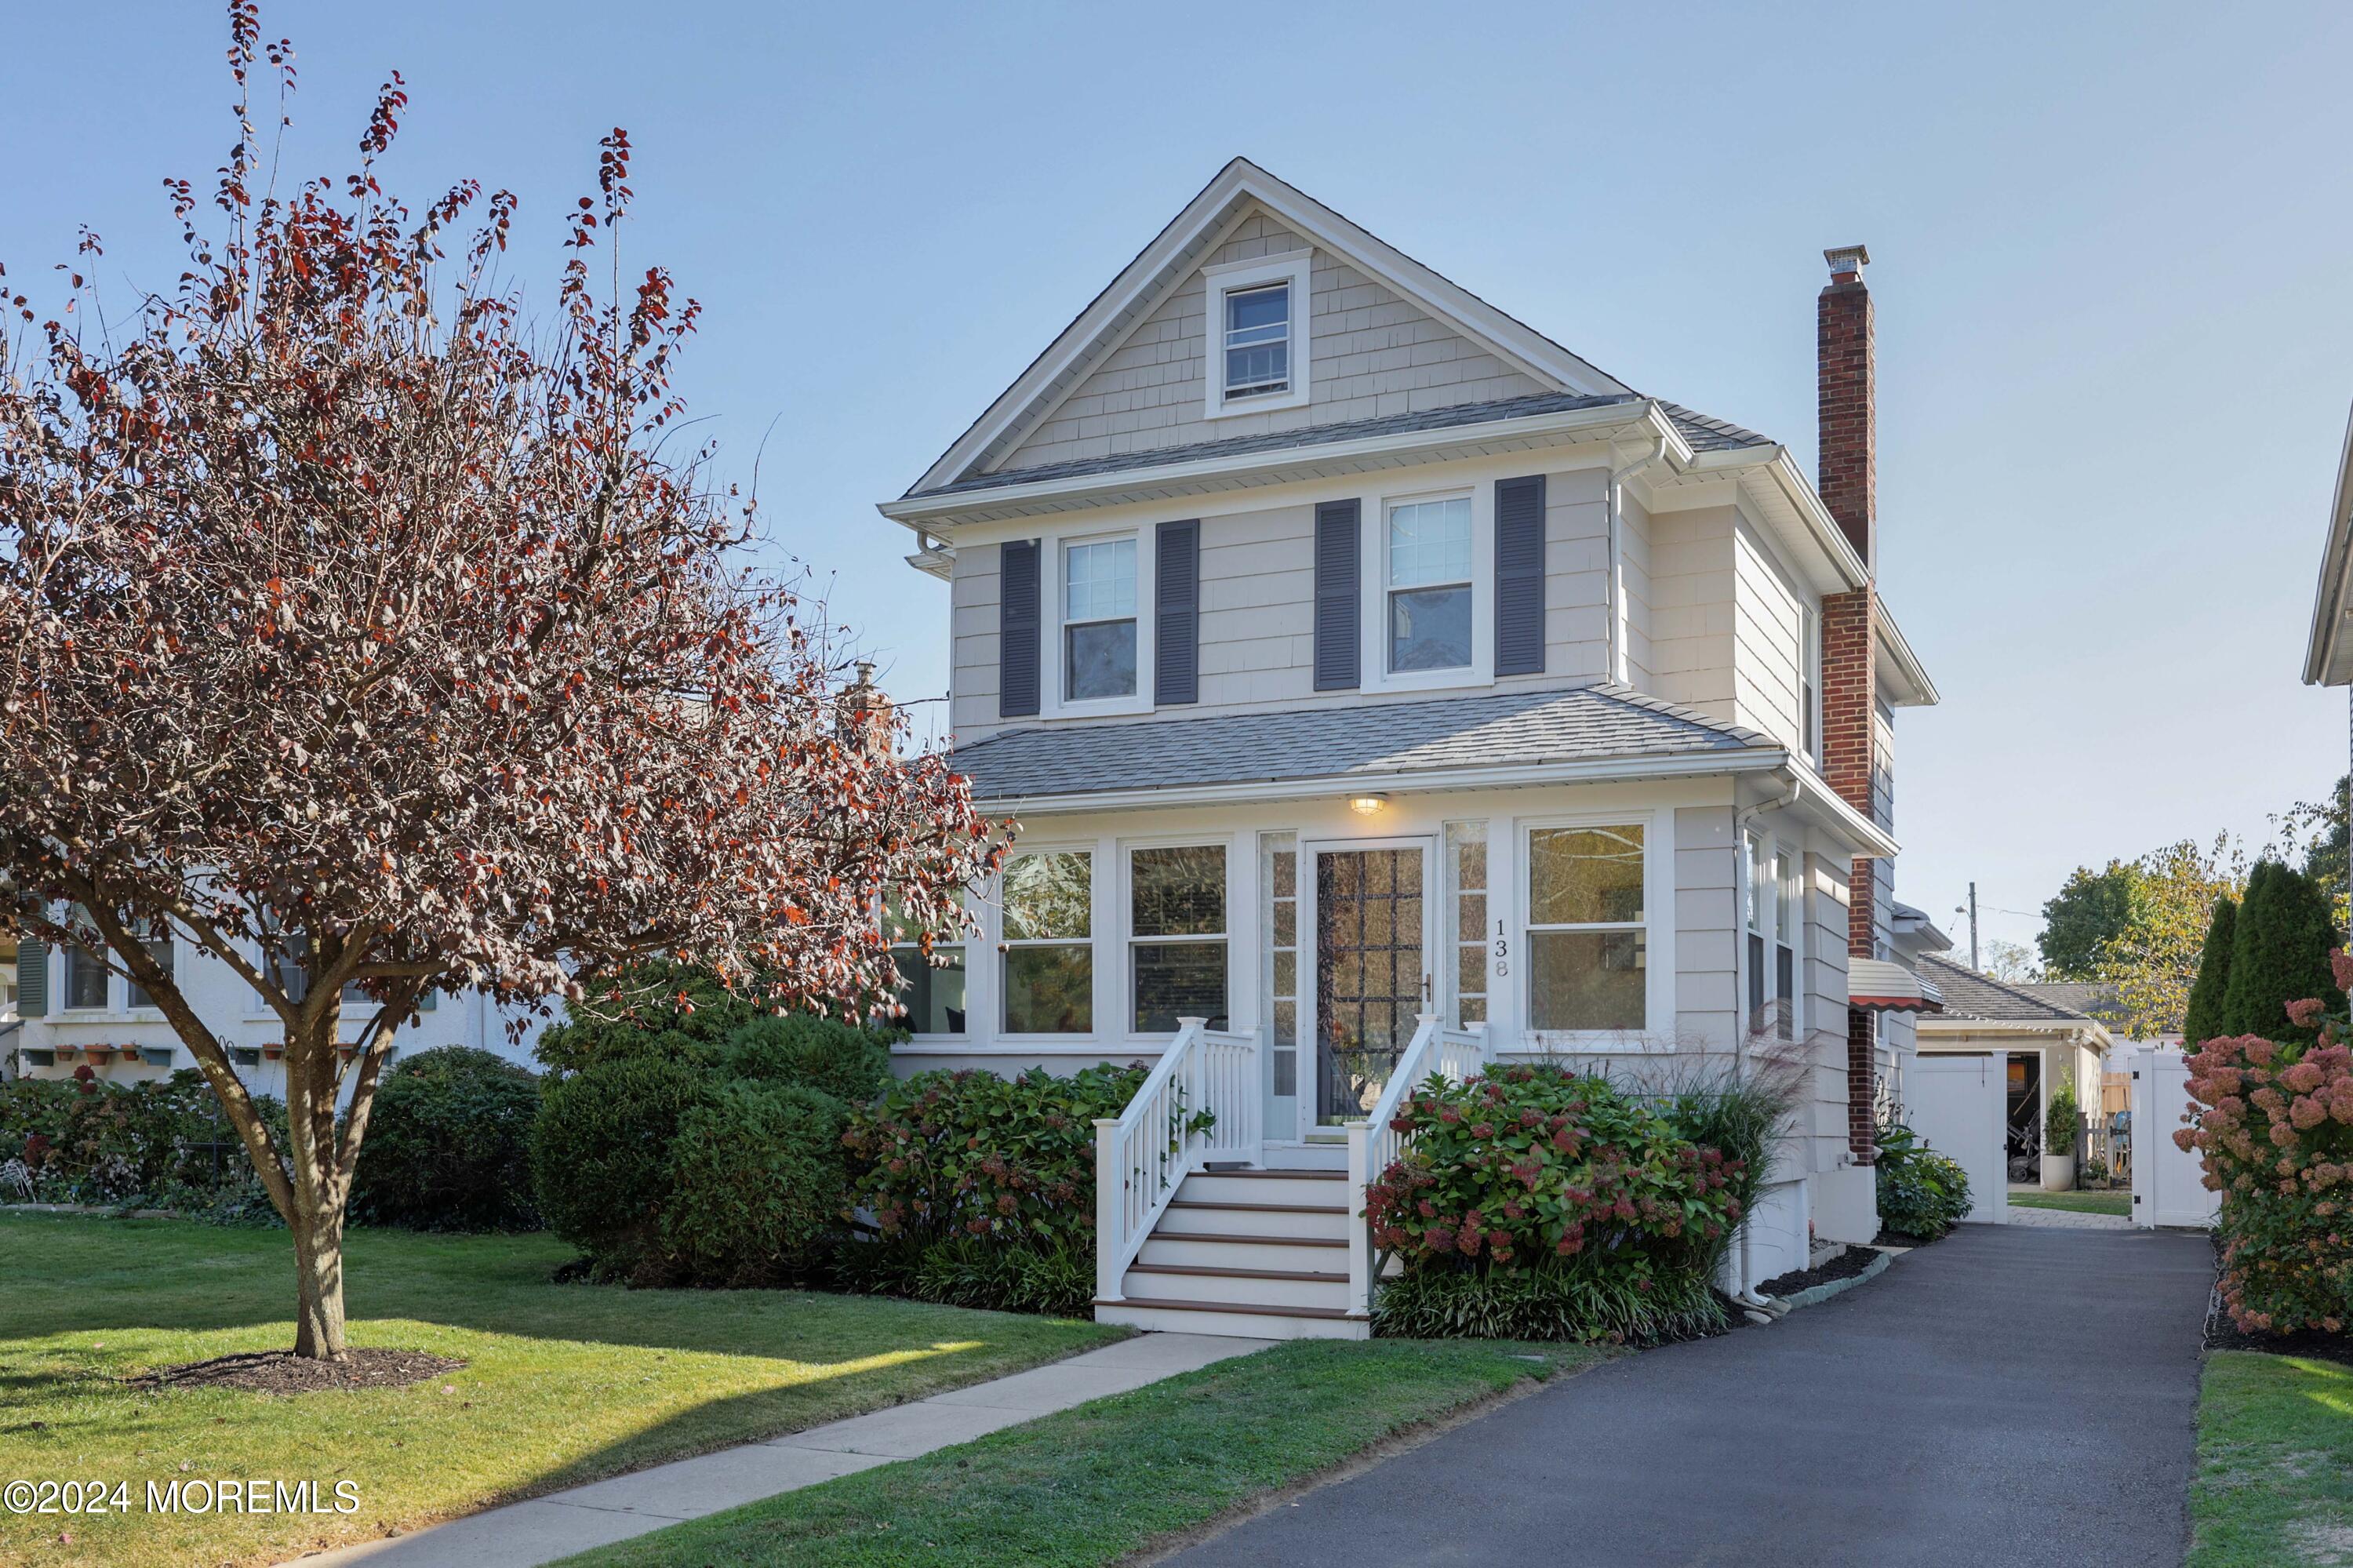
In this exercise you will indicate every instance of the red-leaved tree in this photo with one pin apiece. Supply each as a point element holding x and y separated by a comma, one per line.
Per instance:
<point>342,608</point>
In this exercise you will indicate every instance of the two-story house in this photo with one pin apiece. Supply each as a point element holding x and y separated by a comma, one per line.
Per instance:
<point>1365,670</point>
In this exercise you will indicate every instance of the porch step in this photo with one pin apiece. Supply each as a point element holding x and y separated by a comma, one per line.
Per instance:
<point>1230,1290</point>
<point>1282,1189</point>
<point>1163,1315</point>
<point>1222,1249</point>
<point>1197,1216</point>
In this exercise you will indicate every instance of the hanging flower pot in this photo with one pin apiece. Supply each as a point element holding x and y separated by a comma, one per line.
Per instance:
<point>274,1049</point>
<point>97,1056</point>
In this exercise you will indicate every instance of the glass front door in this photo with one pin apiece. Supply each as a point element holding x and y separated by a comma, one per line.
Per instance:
<point>1372,977</point>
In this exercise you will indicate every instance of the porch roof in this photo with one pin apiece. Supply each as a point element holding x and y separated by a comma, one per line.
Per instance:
<point>1368,744</point>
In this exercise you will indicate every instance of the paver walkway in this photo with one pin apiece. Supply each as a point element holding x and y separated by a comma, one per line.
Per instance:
<point>525,1533</point>
<point>2067,1219</point>
<point>2009,1395</point>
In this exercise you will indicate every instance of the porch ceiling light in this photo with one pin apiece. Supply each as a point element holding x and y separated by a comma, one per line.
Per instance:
<point>1366,805</point>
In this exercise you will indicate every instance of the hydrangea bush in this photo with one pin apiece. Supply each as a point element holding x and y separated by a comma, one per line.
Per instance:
<point>2275,1137</point>
<point>1516,1171</point>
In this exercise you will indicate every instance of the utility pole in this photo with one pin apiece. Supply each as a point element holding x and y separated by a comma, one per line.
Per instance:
<point>1973,923</point>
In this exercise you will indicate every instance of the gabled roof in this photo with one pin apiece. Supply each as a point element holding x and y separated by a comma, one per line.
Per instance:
<point>1369,744</point>
<point>1969,994</point>
<point>1177,249</point>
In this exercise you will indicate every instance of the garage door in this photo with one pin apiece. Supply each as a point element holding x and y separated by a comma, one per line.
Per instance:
<point>1955,1107</point>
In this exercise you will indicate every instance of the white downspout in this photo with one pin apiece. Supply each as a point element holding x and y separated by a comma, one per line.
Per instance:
<point>1746,1295</point>
<point>1614,627</point>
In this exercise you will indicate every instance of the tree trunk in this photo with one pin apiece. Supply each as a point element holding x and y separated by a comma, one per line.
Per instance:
<point>318,1282</point>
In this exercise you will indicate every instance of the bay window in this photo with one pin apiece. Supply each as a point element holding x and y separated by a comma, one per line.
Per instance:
<point>1588,938</point>
<point>1099,620</point>
<point>1049,940</point>
<point>1176,931</point>
<point>1428,585</point>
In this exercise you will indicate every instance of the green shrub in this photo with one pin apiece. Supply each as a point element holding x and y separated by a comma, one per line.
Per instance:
<point>849,1064</point>
<point>1556,1298</point>
<point>756,1183</point>
<point>2279,954</point>
<point>600,1158</point>
<point>2058,1120</point>
<point>161,1143</point>
<point>972,1153</point>
<point>1738,1116</point>
<point>1006,1276</point>
<point>1921,1192</point>
<point>449,1145</point>
<point>664,1010</point>
<point>2203,1019</point>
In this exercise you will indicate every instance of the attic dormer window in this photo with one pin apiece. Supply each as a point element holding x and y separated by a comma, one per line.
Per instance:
<point>1256,317</point>
<point>1258,341</point>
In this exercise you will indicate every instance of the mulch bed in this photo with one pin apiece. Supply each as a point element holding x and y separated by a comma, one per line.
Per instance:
<point>283,1372</point>
<point>1897,1238</point>
<point>1845,1265</point>
<point>2313,1344</point>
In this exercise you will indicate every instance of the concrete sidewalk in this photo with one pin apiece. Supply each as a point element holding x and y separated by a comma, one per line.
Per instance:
<point>544,1528</point>
<point>2008,1396</point>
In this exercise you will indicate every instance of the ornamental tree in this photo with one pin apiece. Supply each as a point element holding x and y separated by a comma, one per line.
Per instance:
<point>2202,1021</point>
<point>342,610</point>
<point>2279,953</point>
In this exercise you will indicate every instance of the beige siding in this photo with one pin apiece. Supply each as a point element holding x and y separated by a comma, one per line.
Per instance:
<point>1634,534</point>
<point>1707,915</point>
<point>1823,1115</point>
<point>1766,619</point>
<point>1577,580</point>
<point>1372,353</point>
<point>1691,592</point>
<point>972,601</point>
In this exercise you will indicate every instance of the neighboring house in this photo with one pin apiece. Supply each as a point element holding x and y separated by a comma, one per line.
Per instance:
<point>1912,935</point>
<point>2040,1043</point>
<point>1387,689</point>
<point>2328,651</point>
<point>75,1014</point>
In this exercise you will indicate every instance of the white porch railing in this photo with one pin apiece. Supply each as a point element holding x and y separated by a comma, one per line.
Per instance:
<point>1203,1101</point>
<point>1454,1055</point>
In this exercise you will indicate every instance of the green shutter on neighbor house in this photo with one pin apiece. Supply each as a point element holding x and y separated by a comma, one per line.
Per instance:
<point>32,980</point>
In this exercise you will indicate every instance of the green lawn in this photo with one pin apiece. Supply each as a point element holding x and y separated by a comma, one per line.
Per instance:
<point>1094,1484</point>
<point>564,1383</point>
<point>2275,1481</point>
<point>2075,1202</point>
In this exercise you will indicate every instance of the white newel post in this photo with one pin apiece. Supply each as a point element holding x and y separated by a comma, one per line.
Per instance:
<point>1360,1235</point>
<point>1110,1204</point>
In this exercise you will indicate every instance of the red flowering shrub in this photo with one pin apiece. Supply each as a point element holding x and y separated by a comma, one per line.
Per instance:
<point>1527,1165</point>
<point>2276,1135</point>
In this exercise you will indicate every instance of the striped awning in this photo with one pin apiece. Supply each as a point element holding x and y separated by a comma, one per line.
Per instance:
<point>1875,985</point>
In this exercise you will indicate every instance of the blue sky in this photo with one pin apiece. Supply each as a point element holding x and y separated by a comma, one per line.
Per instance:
<point>2110,248</point>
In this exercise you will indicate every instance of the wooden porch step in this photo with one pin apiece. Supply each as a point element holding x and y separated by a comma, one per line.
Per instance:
<point>1239,1240</point>
<point>1259,1208</point>
<point>1215,1271</point>
<point>1258,1175</point>
<point>1240,1308</point>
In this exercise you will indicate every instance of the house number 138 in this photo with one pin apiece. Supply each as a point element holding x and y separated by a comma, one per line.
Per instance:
<point>1502,951</point>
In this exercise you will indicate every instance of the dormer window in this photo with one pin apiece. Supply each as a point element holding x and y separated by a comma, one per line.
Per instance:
<point>1258,341</point>
<point>1099,620</point>
<point>1255,317</point>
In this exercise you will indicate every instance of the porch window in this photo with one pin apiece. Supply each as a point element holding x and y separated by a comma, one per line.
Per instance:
<point>1588,944</point>
<point>1099,620</point>
<point>1176,926</point>
<point>159,948</point>
<point>1466,878</point>
<point>929,988</point>
<point>85,982</point>
<point>1430,584</point>
<point>1279,875</point>
<point>1049,956</point>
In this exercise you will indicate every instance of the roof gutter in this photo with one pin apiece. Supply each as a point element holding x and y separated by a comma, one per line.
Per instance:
<point>1270,467</point>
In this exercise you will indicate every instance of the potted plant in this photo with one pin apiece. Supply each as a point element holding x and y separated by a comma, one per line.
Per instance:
<point>2059,1138</point>
<point>274,1049</point>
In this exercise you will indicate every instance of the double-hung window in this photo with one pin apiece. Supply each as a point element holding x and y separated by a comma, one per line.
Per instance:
<point>1769,906</point>
<point>1809,672</point>
<point>1787,902</point>
<point>1588,935</point>
<point>86,980</point>
<point>1050,955</point>
<point>1258,341</point>
<point>1099,620</point>
<point>1429,609</point>
<point>1176,931</point>
<point>159,948</point>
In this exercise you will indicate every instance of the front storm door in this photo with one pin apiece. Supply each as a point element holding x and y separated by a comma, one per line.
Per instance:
<point>1371,981</point>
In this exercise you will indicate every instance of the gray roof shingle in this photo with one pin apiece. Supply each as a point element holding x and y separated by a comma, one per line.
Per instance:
<point>1969,994</point>
<point>1366,742</point>
<point>1704,434</point>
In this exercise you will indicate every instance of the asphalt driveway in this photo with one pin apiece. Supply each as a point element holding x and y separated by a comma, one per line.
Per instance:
<point>2009,1395</point>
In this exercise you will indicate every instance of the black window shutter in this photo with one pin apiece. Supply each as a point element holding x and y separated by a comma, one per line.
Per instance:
<point>1176,613</point>
<point>1017,618</point>
<point>1520,575</point>
<point>1337,607</point>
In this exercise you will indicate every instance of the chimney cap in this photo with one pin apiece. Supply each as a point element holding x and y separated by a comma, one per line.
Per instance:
<point>1847,260</point>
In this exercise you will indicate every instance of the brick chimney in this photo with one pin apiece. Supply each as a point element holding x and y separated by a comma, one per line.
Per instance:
<point>864,716</point>
<point>1848,482</point>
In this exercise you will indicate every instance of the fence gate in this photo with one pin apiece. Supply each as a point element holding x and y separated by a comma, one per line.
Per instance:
<point>2168,1184</point>
<point>1956,1102</point>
